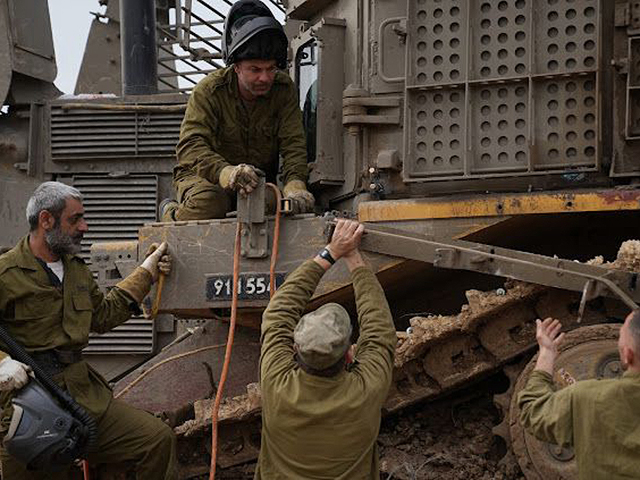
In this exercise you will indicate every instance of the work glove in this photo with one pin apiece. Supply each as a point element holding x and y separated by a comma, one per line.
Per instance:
<point>13,374</point>
<point>138,284</point>
<point>302,200</point>
<point>242,178</point>
<point>157,260</point>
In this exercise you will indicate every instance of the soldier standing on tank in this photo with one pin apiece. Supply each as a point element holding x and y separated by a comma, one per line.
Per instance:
<point>239,119</point>
<point>599,418</point>
<point>321,401</point>
<point>49,302</point>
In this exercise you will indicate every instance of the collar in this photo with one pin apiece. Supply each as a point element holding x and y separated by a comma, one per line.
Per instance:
<point>319,373</point>
<point>25,258</point>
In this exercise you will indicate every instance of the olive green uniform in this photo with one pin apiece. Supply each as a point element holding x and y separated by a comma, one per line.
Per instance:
<point>599,418</point>
<point>323,427</point>
<point>219,130</point>
<point>42,317</point>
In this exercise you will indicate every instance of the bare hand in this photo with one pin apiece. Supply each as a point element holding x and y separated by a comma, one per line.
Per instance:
<point>346,238</point>
<point>548,335</point>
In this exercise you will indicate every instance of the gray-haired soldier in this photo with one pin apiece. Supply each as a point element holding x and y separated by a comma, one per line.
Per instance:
<point>49,302</point>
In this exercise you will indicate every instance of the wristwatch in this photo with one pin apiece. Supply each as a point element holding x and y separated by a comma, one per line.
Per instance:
<point>326,255</point>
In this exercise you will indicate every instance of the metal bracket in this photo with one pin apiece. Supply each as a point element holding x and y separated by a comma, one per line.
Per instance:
<point>355,111</point>
<point>113,261</point>
<point>35,159</point>
<point>255,239</point>
<point>622,15</point>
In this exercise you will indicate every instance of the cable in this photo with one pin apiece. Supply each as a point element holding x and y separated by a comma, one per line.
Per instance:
<point>227,353</point>
<point>234,313</point>
<point>276,240</point>
<point>171,359</point>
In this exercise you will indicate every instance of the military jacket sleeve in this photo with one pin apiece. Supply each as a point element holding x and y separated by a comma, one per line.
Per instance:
<point>42,317</point>
<point>281,316</point>
<point>110,310</point>
<point>199,132</point>
<point>377,341</point>
<point>548,414</point>
<point>291,139</point>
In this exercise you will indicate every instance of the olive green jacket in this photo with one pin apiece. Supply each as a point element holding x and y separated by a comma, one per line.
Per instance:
<point>599,418</point>
<point>217,130</point>
<point>40,317</point>
<point>323,427</point>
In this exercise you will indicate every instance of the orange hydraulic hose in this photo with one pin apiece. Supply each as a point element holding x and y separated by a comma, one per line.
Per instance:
<point>85,470</point>
<point>232,324</point>
<point>227,353</point>
<point>276,240</point>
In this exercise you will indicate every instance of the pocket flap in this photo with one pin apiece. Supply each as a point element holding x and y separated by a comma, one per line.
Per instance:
<point>82,301</point>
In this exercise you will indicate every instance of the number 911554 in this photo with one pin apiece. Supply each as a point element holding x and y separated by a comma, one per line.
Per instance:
<point>251,286</point>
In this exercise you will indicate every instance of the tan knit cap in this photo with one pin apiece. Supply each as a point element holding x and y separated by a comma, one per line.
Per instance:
<point>323,336</point>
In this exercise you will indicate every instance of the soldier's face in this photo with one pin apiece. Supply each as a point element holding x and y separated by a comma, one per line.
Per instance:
<point>66,234</point>
<point>255,77</point>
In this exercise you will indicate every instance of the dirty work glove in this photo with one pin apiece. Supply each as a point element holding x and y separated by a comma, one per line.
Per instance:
<point>242,178</point>
<point>302,201</point>
<point>13,374</point>
<point>157,260</point>
<point>138,284</point>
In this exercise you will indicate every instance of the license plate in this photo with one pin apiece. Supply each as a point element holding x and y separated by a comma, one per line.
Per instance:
<point>251,286</point>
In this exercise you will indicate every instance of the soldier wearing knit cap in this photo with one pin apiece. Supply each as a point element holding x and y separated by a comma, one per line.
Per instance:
<point>321,397</point>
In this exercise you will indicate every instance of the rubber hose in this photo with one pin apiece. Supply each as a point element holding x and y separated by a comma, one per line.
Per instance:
<point>18,353</point>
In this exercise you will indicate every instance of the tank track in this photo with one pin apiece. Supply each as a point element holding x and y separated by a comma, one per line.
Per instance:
<point>439,354</point>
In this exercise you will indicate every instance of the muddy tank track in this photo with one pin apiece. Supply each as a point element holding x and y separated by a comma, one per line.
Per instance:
<point>439,354</point>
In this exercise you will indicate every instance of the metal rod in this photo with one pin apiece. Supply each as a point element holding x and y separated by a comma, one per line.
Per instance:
<point>503,262</point>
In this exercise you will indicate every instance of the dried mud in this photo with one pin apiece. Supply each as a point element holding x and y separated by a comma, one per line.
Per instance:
<point>447,439</point>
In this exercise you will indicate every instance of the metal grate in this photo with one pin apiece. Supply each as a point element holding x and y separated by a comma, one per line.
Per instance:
<point>115,208</point>
<point>82,134</point>
<point>189,43</point>
<point>474,69</point>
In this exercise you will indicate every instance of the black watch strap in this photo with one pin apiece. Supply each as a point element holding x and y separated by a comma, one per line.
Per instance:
<point>326,254</point>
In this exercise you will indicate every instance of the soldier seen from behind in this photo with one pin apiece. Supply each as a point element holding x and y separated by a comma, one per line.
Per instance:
<point>600,419</point>
<point>239,119</point>
<point>321,397</point>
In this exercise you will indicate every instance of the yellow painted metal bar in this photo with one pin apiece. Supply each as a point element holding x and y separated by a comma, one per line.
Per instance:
<point>500,205</point>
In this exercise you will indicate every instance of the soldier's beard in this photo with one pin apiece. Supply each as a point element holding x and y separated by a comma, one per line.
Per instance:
<point>60,243</point>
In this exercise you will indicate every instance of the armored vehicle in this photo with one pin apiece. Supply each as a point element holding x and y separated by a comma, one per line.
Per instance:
<point>476,139</point>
